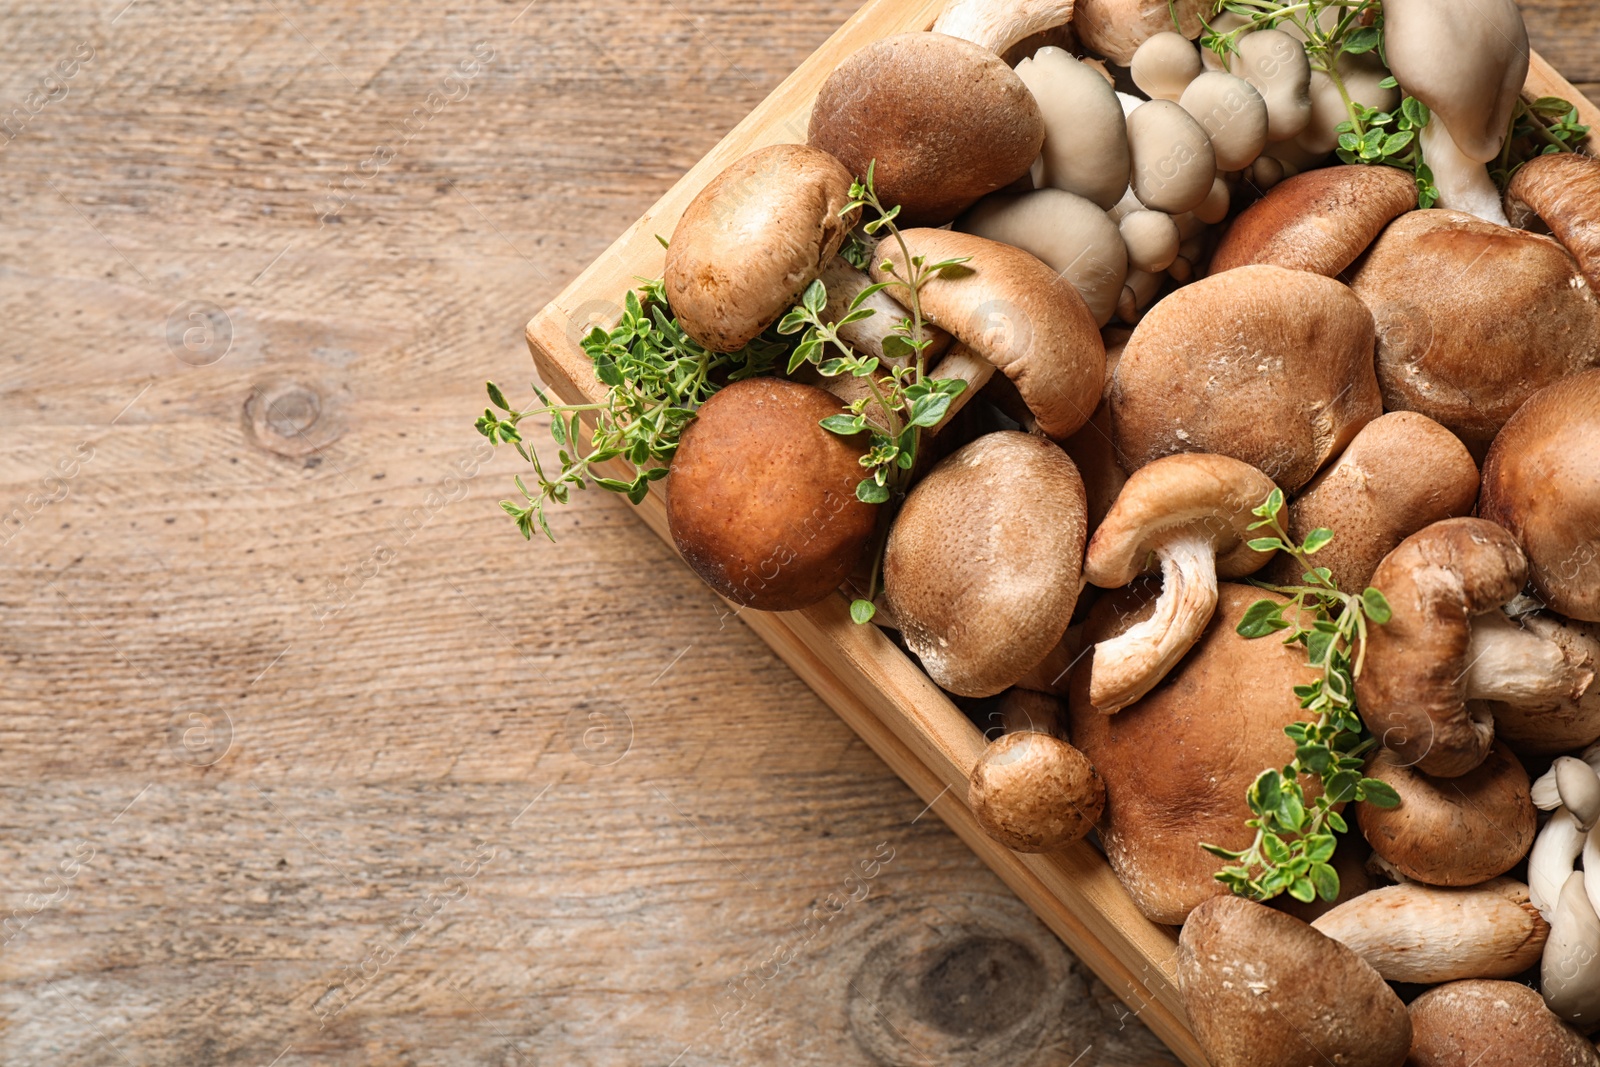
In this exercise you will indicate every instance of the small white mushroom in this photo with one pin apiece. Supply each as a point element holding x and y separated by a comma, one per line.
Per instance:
<point>1264,173</point>
<point>1085,133</point>
<point>1233,114</point>
<point>998,27</point>
<point>1554,854</point>
<point>1174,164</point>
<point>1224,23</point>
<point>1276,65</point>
<point>1569,977</point>
<point>1214,208</point>
<point>1126,206</point>
<point>1139,291</point>
<point>1164,65</point>
<point>1578,787</point>
<point>1151,238</point>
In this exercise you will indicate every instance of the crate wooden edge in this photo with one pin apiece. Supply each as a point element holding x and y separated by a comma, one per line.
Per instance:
<point>858,672</point>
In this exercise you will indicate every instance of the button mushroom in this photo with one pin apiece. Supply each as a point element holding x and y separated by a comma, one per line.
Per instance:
<point>1191,516</point>
<point>1484,1022</point>
<point>1263,989</point>
<point>1457,831</point>
<point>1275,63</point>
<point>1014,311</point>
<point>1178,763</point>
<point>1086,135</point>
<point>1075,237</point>
<point>1563,191</point>
<point>1270,366</point>
<point>1232,113</point>
<point>1429,934</point>
<point>1402,472</point>
<point>1468,64</point>
<point>1319,221</point>
<point>1164,65</point>
<point>752,240</point>
<point>1541,481</point>
<point>761,500</point>
<point>1174,164</point>
<point>1502,314</point>
<point>981,570</point>
<point>999,26</point>
<point>1033,793</point>
<point>945,119</point>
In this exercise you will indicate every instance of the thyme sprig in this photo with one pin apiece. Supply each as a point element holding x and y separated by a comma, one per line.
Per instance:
<point>1294,840</point>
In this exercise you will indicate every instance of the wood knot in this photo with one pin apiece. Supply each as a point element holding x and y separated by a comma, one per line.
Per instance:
<point>290,418</point>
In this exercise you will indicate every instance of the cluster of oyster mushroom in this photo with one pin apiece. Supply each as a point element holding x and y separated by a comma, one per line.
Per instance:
<point>1071,558</point>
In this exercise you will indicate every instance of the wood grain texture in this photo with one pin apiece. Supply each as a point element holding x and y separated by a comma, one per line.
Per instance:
<point>304,754</point>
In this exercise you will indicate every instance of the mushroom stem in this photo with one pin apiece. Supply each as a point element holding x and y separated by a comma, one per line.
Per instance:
<point>1514,665</point>
<point>961,362</point>
<point>998,27</point>
<point>1554,854</point>
<point>1464,183</point>
<point>1128,666</point>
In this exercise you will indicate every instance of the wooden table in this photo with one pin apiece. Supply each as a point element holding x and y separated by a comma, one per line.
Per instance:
<point>307,757</point>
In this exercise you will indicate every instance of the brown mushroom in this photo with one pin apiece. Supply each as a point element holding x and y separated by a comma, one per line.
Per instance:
<point>1539,675</point>
<point>1014,311</point>
<point>752,240</point>
<point>844,283</point>
<point>946,120</point>
<point>1452,831</point>
<point>1033,792</point>
<point>1319,221</point>
<point>1563,190</point>
<point>981,571</point>
<point>1178,763</point>
<point>761,499</point>
<point>1270,366</point>
<point>1501,314</point>
<point>1402,472</point>
<point>1541,481</point>
<point>1481,1021</point>
<point>1116,28</point>
<point>1189,515</point>
<point>1263,989</point>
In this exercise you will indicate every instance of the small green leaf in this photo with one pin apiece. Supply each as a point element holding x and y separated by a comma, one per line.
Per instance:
<point>1326,880</point>
<point>1315,540</point>
<point>844,425</point>
<point>1262,618</point>
<point>1265,544</point>
<point>862,611</point>
<point>497,398</point>
<point>1363,41</point>
<point>1379,794</point>
<point>1376,606</point>
<point>816,297</point>
<point>869,491</point>
<point>1302,890</point>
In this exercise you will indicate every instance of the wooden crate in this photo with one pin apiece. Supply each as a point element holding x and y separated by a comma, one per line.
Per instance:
<point>870,683</point>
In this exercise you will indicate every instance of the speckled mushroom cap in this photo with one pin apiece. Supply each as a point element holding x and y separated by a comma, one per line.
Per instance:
<point>1270,366</point>
<point>1452,831</point>
<point>752,240</point>
<point>1178,762</point>
<point>1497,315</point>
<point>1541,481</point>
<point>1413,690</point>
<point>1402,472</point>
<point>1563,190</point>
<point>982,567</point>
<point>1263,989</point>
<point>946,120</point>
<point>1319,221</point>
<point>1017,313</point>
<point>1032,792</point>
<point>1470,1021</point>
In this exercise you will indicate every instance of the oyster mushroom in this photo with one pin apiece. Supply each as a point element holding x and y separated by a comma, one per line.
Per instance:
<point>1461,1022</point>
<point>1429,934</point>
<point>1033,792</point>
<point>1164,65</point>
<point>1541,481</point>
<point>1151,238</point>
<point>1191,515</point>
<point>1572,784</point>
<point>1468,64</point>
<point>1275,63</point>
<point>1319,221</point>
<point>1563,191</point>
<point>1072,235</point>
<point>981,570</point>
<point>1015,312</point>
<point>1554,855</point>
<point>1452,831</point>
<point>1174,164</point>
<point>752,240</point>
<point>1269,366</point>
<point>945,119</point>
<point>1569,977</point>
<point>1263,989</point>
<point>772,551</point>
<point>1232,113</point>
<point>1086,136</point>
<point>1503,313</point>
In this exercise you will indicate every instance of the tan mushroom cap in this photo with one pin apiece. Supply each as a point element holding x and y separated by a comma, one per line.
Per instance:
<point>1452,831</point>
<point>761,500</point>
<point>1164,65</point>
<point>1460,1022</point>
<point>1563,190</point>
<point>1402,472</point>
<point>1270,366</point>
<point>1033,793</point>
<point>1414,688</point>
<point>1174,165</point>
<point>1276,64</point>
<point>1085,134</point>
<point>1116,28</point>
<point>1541,481</point>
<point>1501,314</point>
<point>1017,313</point>
<point>982,565</point>
<point>752,240</point>
<point>1319,221</point>
<point>946,120</point>
<point>1233,115</point>
<point>1263,989</point>
<point>1177,764</point>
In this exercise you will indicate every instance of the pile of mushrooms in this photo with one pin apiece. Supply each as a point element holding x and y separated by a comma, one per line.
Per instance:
<point>1171,306</point>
